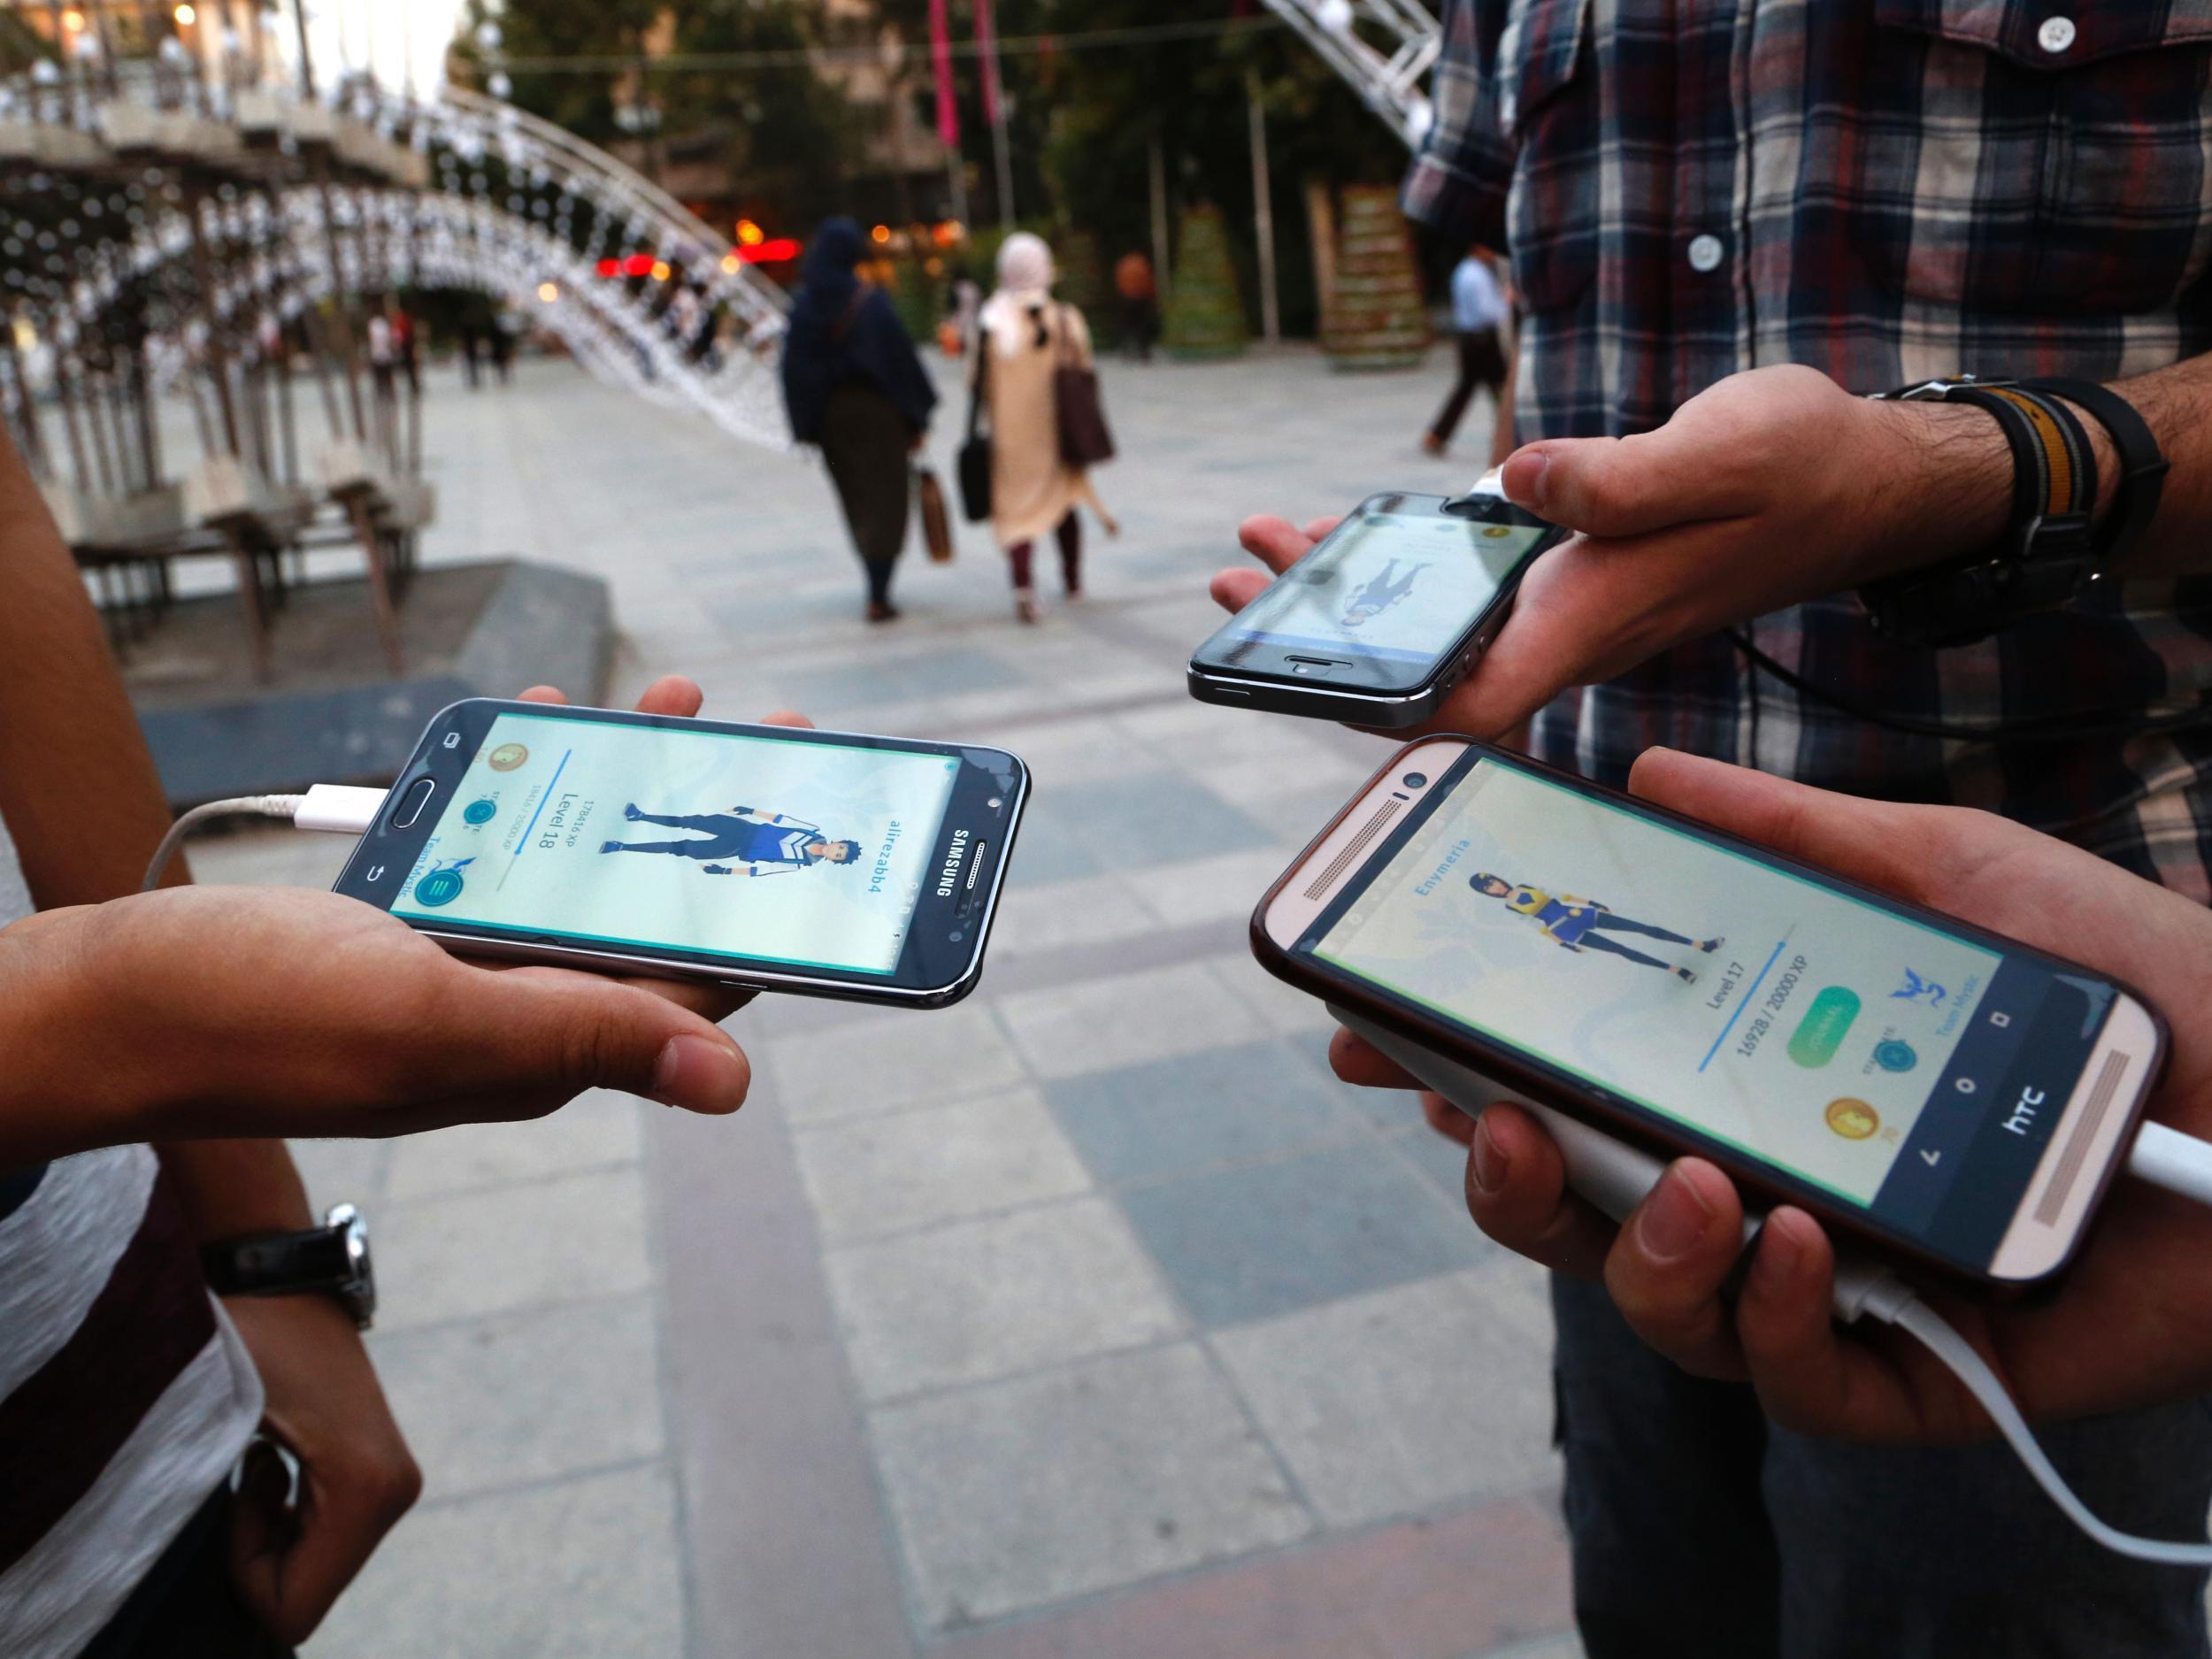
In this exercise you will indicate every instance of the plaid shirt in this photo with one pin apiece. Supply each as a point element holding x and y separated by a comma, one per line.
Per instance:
<point>1888,190</point>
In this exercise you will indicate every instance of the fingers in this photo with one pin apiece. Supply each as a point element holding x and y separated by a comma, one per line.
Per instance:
<point>1666,1269</point>
<point>539,1034</point>
<point>543,694</point>
<point>1233,589</point>
<point>1916,852</point>
<point>1355,1060</point>
<point>786,716</point>
<point>1517,1191</point>
<point>1275,542</point>
<point>1447,1120</point>
<point>1615,487</point>
<point>672,694</point>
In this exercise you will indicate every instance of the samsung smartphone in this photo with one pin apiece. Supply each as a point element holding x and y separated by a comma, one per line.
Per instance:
<point>1383,617</point>
<point>817,862</point>
<point>1940,1091</point>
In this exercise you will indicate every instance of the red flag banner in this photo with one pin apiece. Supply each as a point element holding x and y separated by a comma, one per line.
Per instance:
<point>987,46</point>
<point>940,59</point>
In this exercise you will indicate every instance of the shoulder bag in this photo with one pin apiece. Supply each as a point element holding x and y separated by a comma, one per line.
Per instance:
<point>975,453</point>
<point>1084,439</point>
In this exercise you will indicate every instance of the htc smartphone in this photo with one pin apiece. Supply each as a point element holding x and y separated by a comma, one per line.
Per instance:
<point>814,862</point>
<point>1941,1092</point>
<point>1383,617</point>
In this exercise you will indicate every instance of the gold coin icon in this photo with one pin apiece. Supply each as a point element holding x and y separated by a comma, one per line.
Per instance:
<point>507,757</point>
<point>1852,1119</point>
<point>1498,531</point>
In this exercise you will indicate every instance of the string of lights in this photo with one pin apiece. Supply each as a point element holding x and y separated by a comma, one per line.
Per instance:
<point>1012,45</point>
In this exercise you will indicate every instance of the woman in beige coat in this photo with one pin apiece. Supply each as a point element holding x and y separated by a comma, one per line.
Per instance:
<point>1024,336</point>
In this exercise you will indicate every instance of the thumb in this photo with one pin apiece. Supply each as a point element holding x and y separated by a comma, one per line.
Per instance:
<point>527,1033</point>
<point>1633,485</point>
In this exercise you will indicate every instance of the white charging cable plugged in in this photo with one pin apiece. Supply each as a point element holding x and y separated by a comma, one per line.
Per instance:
<point>1615,1178</point>
<point>334,808</point>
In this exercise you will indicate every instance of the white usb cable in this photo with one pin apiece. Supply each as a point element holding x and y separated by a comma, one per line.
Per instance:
<point>1615,1177</point>
<point>336,808</point>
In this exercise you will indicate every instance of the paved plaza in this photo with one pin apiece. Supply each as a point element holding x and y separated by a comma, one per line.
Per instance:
<point>1091,1318</point>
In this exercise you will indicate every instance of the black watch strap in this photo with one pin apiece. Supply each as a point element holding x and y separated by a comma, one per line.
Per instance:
<point>2143,464</point>
<point>2047,553</point>
<point>332,1260</point>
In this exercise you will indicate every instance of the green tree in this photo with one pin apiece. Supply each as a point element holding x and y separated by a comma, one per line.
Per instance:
<point>578,96</point>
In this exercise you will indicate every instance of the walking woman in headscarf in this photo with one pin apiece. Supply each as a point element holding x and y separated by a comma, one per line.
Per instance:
<point>853,385</point>
<point>1033,491</point>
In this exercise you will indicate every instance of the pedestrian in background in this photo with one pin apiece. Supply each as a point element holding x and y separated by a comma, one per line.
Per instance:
<point>1478,313</point>
<point>1027,337</point>
<point>1139,296</point>
<point>853,385</point>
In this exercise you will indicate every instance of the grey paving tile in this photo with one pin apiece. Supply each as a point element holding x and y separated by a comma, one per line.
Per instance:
<point>1050,849</point>
<point>581,1570</point>
<point>1227,886</point>
<point>881,1061</point>
<point>1151,1468</point>
<point>1256,1240</point>
<point>1166,1118</point>
<point>1051,916</point>
<point>512,1246</point>
<point>1155,817</point>
<point>593,1132</point>
<point>892,679</point>
<point>1403,1400</point>
<point>521,1397</point>
<point>872,1176</point>
<point>1127,1018</point>
<point>1283,1007</point>
<point>983,1299</point>
<point>342,1172</point>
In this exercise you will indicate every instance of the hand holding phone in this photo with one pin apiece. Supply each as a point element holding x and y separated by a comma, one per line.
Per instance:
<point>1380,616</point>
<point>858,867</point>
<point>2127,1326</point>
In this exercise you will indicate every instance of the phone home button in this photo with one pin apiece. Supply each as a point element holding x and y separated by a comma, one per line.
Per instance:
<point>411,803</point>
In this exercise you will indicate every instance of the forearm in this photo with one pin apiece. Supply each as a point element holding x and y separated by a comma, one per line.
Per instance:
<point>2177,403</point>
<point>233,1186</point>
<point>78,787</point>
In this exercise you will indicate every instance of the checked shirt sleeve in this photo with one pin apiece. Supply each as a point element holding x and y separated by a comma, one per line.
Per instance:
<point>1457,183</point>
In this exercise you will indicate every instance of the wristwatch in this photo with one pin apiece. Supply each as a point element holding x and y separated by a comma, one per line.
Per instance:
<point>2047,552</point>
<point>332,1259</point>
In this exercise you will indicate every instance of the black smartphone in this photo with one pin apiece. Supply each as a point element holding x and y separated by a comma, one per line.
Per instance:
<point>1936,1089</point>
<point>1383,617</point>
<point>816,862</point>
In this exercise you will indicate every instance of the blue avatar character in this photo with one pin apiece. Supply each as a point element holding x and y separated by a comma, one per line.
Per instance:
<point>1580,924</point>
<point>1378,593</point>
<point>772,846</point>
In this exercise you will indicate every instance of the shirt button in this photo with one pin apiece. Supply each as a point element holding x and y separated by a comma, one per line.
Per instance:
<point>1706,253</point>
<point>2056,34</point>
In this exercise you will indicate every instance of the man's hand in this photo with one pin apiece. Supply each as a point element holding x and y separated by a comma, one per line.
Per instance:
<point>1772,487</point>
<point>2131,1324</point>
<point>266,1011</point>
<point>357,1478</point>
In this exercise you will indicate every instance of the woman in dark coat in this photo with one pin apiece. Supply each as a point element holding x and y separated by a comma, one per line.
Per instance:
<point>853,385</point>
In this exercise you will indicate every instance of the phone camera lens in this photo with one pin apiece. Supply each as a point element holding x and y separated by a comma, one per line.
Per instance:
<point>994,803</point>
<point>1414,779</point>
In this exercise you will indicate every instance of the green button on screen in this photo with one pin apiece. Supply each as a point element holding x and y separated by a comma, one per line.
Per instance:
<point>1821,1032</point>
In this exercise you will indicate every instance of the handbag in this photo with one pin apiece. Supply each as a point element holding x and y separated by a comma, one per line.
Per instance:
<point>975,452</point>
<point>936,522</point>
<point>1084,439</point>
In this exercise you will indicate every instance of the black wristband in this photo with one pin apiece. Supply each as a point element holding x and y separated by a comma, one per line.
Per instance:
<point>2043,557</point>
<point>2143,466</point>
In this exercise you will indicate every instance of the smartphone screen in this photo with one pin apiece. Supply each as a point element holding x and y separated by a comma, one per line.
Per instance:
<point>1852,1049</point>
<point>800,851</point>
<point>1398,588</point>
